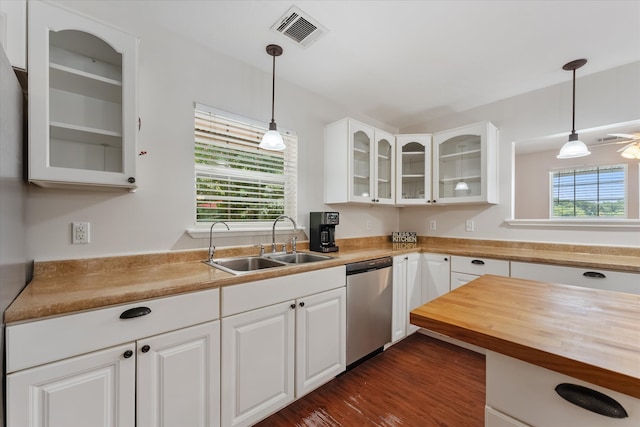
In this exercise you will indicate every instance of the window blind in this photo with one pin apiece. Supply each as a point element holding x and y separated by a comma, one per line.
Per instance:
<point>235,180</point>
<point>597,191</point>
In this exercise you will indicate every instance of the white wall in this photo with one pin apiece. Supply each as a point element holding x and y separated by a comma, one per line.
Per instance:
<point>173,74</point>
<point>608,97</point>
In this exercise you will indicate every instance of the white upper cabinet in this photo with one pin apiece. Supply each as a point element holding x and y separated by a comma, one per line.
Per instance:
<point>82,101</point>
<point>359,164</point>
<point>13,31</point>
<point>413,179</point>
<point>466,155</point>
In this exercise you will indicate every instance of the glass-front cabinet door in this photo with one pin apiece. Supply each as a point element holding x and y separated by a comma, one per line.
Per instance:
<point>362,152</point>
<point>413,169</point>
<point>385,168</point>
<point>82,101</point>
<point>465,165</point>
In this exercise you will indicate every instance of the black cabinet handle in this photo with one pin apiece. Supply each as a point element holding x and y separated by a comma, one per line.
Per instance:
<point>302,304</point>
<point>292,306</point>
<point>477,262</point>
<point>127,354</point>
<point>591,400</point>
<point>131,179</point>
<point>446,259</point>
<point>595,274</point>
<point>132,313</point>
<point>145,348</point>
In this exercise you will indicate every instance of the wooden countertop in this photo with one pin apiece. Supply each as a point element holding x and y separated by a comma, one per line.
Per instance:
<point>62,287</point>
<point>588,334</point>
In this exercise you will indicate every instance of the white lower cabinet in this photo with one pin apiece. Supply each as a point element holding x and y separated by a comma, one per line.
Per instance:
<point>95,389</point>
<point>407,293</point>
<point>493,418</point>
<point>170,380</point>
<point>178,378</point>
<point>435,276</point>
<point>578,276</point>
<point>274,354</point>
<point>149,363</point>
<point>257,363</point>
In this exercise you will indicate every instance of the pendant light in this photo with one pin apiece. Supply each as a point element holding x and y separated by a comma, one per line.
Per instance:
<point>575,147</point>
<point>272,140</point>
<point>461,186</point>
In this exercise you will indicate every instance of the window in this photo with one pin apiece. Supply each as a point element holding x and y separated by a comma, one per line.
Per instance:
<point>597,191</point>
<point>235,181</point>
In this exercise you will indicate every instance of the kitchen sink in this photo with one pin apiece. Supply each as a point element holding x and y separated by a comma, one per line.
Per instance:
<point>240,265</point>
<point>298,257</point>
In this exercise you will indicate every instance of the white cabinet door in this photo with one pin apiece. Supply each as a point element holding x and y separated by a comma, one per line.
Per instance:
<point>460,279</point>
<point>467,154</point>
<point>321,325</point>
<point>179,378</point>
<point>493,418</point>
<point>83,122</point>
<point>257,363</point>
<point>436,275</point>
<point>414,288</point>
<point>13,31</point>
<point>95,389</point>
<point>400,313</point>
<point>384,168</point>
<point>413,170</point>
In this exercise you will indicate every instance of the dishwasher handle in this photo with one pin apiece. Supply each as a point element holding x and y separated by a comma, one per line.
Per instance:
<point>369,265</point>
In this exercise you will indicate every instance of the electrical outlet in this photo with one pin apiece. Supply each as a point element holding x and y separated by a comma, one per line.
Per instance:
<point>79,233</point>
<point>469,226</point>
<point>432,224</point>
<point>368,224</point>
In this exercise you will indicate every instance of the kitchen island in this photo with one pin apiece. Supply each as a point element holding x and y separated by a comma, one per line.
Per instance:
<point>545,330</point>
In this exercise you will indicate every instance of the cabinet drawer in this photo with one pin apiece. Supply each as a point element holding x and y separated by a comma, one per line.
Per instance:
<point>589,278</point>
<point>527,393</point>
<point>479,266</point>
<point>34,343</point>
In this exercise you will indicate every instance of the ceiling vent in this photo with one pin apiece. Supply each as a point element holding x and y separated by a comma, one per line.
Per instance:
<point>300,27</point>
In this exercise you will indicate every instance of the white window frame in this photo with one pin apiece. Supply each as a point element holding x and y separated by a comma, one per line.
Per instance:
<point>201,228</point>
<point>589,218</point>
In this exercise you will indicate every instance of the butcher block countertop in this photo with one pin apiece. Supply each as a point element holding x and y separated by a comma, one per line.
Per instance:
<point>67,286</point>
<point>589,334</point>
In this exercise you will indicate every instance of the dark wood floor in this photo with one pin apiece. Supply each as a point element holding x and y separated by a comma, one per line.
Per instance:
<point>419,382</point>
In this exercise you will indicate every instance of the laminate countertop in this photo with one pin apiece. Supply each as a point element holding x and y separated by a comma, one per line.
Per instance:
<point>62,287</point>
<point>585,333</point>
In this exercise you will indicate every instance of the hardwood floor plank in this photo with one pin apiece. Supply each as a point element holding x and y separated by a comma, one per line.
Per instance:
<point>419,382</point>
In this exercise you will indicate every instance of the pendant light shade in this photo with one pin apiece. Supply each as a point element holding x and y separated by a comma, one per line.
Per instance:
<point>272,140</point>
<point>574,148</point>
<point>632,152</point>
<point>462,186</point>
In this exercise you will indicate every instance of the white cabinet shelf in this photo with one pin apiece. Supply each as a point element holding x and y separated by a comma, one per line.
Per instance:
<point>82,101</point>
<point>413,169</point>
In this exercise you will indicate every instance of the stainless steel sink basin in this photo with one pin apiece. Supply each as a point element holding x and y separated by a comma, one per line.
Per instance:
<point>240,265</point>
<point>298,257</point>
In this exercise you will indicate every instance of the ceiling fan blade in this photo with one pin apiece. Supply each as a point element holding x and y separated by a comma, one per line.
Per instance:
<point>625,135</point>
<point>625,147</point>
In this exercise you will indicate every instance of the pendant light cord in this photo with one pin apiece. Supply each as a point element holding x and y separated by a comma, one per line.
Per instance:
<point>273,89</point>
<point>573,119</point>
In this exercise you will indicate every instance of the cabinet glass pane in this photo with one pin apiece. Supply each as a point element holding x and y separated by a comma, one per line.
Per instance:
<point>459,161</point>
<point>413,170</point>
<point>384,169</point>
<point>85,102</point>
<point>361,164</point>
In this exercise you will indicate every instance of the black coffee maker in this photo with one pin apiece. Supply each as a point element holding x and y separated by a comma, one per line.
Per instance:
<point>322,229</point>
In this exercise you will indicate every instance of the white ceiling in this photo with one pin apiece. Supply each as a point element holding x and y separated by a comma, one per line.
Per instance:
<point>401,61</point>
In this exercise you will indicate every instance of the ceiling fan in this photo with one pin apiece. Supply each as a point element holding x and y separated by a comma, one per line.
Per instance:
<point>632,149</point>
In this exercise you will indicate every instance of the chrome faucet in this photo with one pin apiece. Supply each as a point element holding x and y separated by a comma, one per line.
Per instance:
<point>273,233</point>
<point>212,248</point>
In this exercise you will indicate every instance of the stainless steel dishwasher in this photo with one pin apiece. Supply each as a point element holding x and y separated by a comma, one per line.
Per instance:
<point>369,307</point>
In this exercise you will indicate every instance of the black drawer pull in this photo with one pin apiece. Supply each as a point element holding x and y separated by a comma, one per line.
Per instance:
<point>595,274</point>
<point>135,312</point>
<point>477,262</point>
<point>591,400</point>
